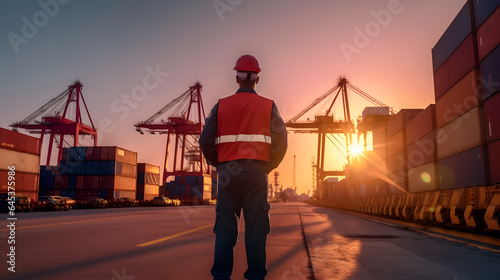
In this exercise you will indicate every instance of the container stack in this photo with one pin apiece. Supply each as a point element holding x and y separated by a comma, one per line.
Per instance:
<point>396,150</point>
<point>488,36</point>
<point>148,181</point>
<point>421,151</point>
<point>23,153</point>
<point>460,120</point>
<point>106,172</point>
<point>190,189</point>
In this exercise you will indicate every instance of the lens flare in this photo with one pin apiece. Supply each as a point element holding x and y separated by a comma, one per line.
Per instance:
<point>426,177</point>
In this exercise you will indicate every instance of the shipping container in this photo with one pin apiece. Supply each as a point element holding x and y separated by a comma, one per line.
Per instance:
<point>89,167</point>
<point>377,187</point>
<point>24,182</point>
<point>89,153</point>
<point>457,100</point>
<point>23,162</point>
<point>421,151</point>
<point>126,169</point>
<point>148,168</point>
<point>484,8</point>
<point>395,144</point>
<point>488,35</point>
<point>421,125</point>
<point>87,182</point>
<point>454,35</point>
<point>123,155</point>
<point>379,143</point>
<point>462,169</point>
<point>397,183</point>
<point>124,183</point>
<point>494,151</point>
<point>72,182</point>
<point>422,178</point>
<point>459,135</point>
<point>490,71</point>
<point>96,167</point>
<point>492,111</point>
<point>58,182</point>
<point>399,121</point>
<point>146,178</point>
<point>80,182</point>
<point>16,141</point>
<point>396,162</point>
<point>375,111</point>
<point>457,66</point>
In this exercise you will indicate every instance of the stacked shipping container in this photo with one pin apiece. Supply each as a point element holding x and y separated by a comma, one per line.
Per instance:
<point>190,189</point>
<point>106,172</point>
<point>488,37</point>
<point>148,181</point>
<point>23,153</point>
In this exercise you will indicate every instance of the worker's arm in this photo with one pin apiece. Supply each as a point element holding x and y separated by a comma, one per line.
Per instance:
<point>279,142</point>
<point>208,135</point>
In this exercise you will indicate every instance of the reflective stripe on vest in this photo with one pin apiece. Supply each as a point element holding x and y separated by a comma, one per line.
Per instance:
<point>243,138</point>
<point>244,127</point>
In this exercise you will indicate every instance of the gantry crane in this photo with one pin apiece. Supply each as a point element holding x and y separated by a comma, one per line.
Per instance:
<point>61,116</point>
<point>183,125</point>
<point>325,126</point>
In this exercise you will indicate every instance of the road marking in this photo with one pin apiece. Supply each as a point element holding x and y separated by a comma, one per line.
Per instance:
<point>77,222</point>
<point>172,236</point>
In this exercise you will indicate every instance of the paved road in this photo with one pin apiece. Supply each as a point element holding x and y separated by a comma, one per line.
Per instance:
<point>177,243</point>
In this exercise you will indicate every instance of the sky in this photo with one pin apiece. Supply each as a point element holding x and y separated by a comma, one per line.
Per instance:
<point>381,46</point>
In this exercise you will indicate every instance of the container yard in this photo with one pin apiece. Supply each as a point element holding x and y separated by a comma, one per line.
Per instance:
<point>420,184</point>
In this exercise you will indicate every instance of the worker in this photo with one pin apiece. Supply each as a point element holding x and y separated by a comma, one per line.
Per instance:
<point>245,138</point>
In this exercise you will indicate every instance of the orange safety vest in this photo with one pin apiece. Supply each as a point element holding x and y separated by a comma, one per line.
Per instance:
<point>244,127</point>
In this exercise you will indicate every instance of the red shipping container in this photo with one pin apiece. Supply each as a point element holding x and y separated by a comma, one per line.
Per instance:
<point>421,151</point>
<point>80,182</point>
<point>494,151</point>
<point>421,125</point>
<point>89,153</point>
<point>24,182</point>
<point>20,142</point>
<point>110,182</point>
<point>88,182</point>
<point>455,67</point>
<point>488,34</point>
<point>399,121</point>
<point>58,182</point>
<point>79,195</point>
<point>94,182</point>
<point>65,181</point>
<point>457,100</point>
<point>148,168</point>
<point>103,153</point>
<point>492,106</point>
<point>395,144</point>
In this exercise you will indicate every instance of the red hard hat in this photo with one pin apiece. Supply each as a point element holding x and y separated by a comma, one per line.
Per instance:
<point>247,63</point>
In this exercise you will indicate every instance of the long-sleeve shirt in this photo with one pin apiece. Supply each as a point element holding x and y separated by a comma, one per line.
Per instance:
<point>279,143</point>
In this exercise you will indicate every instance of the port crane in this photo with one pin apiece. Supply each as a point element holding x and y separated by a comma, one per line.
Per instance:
<point>327,127</point>
<point>182,120</point>
<point>61,117</point>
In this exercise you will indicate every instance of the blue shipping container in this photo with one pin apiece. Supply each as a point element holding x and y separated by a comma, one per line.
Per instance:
<point>103,168</point>
<point>484,8</point>
<point>111,168</point>
<point>490,71</point>
<point>65,193</point>
<point>462,169</point>
<point>80,167</point>
<point>72,194</point>
<point>102,194</point>
<point>72,182</point>
<point>96,167</point>
<point>88,167</point>
<point>454,35</point>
